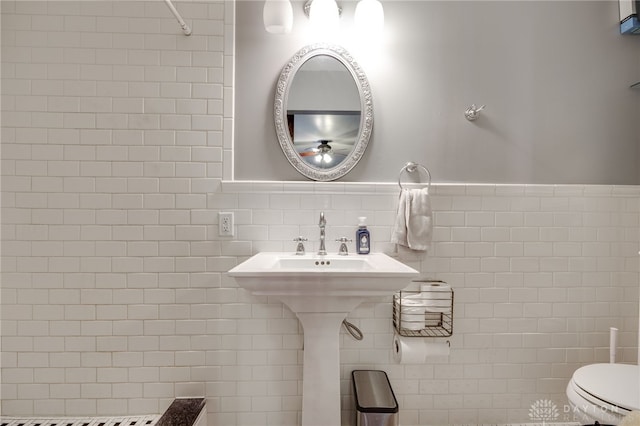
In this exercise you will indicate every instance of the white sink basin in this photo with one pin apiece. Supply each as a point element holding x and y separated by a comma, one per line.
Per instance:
<point>286,274</point>
<point>318,264</point>
<point>322,290</point>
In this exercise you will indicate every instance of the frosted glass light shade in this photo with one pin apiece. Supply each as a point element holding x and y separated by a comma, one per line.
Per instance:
<point>277,16</point>
<point>324,14</point>
<point>369,16</point>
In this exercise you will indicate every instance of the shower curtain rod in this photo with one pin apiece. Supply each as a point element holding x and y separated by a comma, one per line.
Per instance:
<point>183,25</point>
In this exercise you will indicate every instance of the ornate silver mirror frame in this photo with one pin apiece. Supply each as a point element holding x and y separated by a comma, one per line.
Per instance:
<point>280,112</point>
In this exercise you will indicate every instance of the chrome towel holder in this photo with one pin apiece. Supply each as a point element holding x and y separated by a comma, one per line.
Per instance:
<point>412,167</point>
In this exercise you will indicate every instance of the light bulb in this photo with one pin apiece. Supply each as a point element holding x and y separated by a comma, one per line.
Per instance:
<point>324,14</point>
<point>369,17</point>
<point>277,16</point>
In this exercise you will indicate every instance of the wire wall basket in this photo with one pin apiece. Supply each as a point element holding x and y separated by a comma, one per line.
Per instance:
<point>427,312</point>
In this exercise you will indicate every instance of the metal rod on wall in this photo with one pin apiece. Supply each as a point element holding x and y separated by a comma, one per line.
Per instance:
<point>185,28</point>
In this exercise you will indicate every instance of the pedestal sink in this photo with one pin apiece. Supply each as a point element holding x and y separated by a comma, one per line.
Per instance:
<point>321,291</point>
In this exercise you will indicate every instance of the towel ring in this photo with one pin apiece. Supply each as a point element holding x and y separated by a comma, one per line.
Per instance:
<point>411,167</point>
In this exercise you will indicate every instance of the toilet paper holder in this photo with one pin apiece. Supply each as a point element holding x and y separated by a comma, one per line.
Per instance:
<point>427,312</point>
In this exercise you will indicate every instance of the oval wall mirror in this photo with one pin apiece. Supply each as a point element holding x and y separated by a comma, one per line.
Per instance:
<point>323,112</point>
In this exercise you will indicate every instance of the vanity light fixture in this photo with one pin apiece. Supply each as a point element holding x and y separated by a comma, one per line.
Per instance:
<point>324,14</point>
<point>369,16</point>
<point>277,15</point>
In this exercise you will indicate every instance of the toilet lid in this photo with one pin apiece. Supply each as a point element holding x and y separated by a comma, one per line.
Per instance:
<point>616,384</point>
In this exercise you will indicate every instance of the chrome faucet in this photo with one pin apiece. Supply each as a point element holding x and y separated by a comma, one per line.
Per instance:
<point>322,251</point>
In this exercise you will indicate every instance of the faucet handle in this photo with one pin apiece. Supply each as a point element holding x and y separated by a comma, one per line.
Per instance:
<point>300,246</point>
<point>343,250</point>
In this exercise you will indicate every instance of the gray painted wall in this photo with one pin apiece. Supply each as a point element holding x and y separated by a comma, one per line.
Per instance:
<point>555,78</point>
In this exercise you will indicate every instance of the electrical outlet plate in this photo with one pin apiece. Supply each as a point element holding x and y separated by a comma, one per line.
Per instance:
<point>225,224</point>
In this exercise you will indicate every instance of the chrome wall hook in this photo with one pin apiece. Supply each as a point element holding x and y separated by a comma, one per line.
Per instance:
<point>473,112</point>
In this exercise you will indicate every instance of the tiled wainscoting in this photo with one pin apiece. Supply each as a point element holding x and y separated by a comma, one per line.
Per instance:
<point>540,273</point>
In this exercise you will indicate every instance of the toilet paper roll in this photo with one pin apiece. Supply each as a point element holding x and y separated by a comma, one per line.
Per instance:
<point>413,319</point>
<point>411,313</point>
<point>436,297</point>
<point>417,350</point>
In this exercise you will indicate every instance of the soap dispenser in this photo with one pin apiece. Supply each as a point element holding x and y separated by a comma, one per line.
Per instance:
<point>363,240</point>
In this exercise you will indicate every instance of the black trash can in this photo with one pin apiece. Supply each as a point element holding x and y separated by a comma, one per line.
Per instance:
<point>376,404</point>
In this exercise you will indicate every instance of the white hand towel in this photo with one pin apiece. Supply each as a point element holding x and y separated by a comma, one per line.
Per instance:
<point>399,233</point>
<point>414,222</point>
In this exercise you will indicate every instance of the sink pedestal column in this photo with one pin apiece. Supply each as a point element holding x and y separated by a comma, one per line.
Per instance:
<point>321,369</point>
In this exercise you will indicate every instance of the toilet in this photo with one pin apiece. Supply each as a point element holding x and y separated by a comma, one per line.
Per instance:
<point>604,392</point>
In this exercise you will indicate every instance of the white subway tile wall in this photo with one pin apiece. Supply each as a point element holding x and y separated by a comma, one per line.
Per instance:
<point>116,136</point>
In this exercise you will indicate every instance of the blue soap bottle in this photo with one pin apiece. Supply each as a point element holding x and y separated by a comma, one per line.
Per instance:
<point>363,240</point>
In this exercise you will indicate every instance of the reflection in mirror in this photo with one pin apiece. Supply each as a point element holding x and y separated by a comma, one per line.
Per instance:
<point>323,112</point>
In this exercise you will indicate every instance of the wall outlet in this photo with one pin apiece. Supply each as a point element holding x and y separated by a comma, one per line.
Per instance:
<point>225,224</point>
